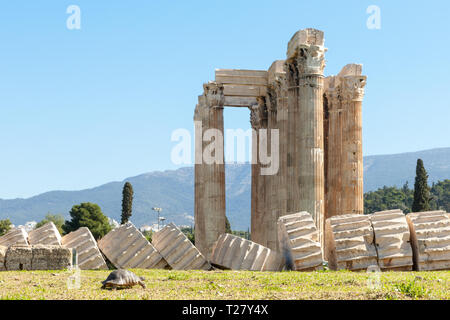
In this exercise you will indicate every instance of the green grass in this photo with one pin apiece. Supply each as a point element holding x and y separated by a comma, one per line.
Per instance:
<point>165,284</point>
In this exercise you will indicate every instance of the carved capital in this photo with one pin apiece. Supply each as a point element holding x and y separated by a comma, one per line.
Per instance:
<point>258,114</point>
<point>311,59</point>
<point>213,93</point>
<point>352,87</point>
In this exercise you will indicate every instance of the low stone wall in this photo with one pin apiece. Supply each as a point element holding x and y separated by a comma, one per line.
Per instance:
<point>38,257</point>
<point>2,258</point>
<point>178,250</point>
<point>235,253</point>
<point>299,242</point>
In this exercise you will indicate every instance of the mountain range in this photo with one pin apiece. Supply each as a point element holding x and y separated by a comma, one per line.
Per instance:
<point>173,190</point>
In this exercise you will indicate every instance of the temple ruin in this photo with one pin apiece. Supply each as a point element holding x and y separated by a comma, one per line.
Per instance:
<point>319,144</point>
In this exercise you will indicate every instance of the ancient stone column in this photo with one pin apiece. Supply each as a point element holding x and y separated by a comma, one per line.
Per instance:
<point>258,120</point>
<point>304,71</point>
<point>209,168</point>
<point>344,170</point>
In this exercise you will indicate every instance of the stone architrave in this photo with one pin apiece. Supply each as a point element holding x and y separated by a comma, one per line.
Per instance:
<point>178,250</point>
<point>392,240</point>
<point>430,239</point>
<point>2,258</point>
<point>126,247</point>
<point>48,234</point>
<point>350,242</point>
<point>343,141</point>
<point>209,186</point>
<point>235,253</point>
<point>16,236</point>
<point>89,255</point>
<point>304,73</point>
<point>299,242</point>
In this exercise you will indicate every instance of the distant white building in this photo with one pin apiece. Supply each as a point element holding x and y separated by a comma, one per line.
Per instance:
<point>28,226</point>
<point>113,222</point>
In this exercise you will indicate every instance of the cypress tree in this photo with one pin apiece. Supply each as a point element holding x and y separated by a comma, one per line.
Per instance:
<point>421,189</point>
<point>227,225</point>
<point>127,202</point>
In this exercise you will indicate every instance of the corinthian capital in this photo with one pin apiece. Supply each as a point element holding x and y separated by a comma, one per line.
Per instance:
<point>352,87</point>
<point>307,49</point>
<point>213,93</point>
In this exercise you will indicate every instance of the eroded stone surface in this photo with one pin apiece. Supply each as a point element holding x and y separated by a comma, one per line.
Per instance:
<point>126,247</point>
<point>16,236</point>
<point>392,238</point>
<point>178,250</point>
<point>350,242</point>
<point>37,257</point>
<point>50,257</point>
<point>89,256</point>
<point>18,257</point>
<point>299,242</point>
<point>430,239</point>
<point>48,234</point>
<point>2,257</point>
<point>236,253</point>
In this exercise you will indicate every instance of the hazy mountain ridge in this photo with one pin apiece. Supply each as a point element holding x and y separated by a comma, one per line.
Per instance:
<point>173,190</point>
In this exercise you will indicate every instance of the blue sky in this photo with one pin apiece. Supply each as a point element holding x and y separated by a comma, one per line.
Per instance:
<point>79,108</point>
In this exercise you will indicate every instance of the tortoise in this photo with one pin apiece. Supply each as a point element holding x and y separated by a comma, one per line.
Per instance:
<point>122,278</point>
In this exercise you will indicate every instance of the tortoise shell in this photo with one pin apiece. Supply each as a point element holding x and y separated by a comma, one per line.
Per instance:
<point>122,278</point>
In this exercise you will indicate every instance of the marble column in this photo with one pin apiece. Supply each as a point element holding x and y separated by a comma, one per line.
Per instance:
<point>304,72</point>
<point>209,168</point>
<point>343,108</point>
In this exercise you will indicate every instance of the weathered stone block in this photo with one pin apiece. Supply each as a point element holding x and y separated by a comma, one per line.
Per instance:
<point>2,258</point>
<point>430,239</point>
<point>349,242</point>
<point>236,253</point>
<point>392,240</point>
<point>89,255</point>
<point>178,250</point>
<point>126,247</point>
<point>38,257</point>
<point>299,242</point>
<point>18,257</point>
<point>16,236</point>
<point>50,257</point>
<point>48,234</point>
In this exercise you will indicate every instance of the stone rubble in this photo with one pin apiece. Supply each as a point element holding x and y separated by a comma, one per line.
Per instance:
<point>126,247</point>
<point>89,255</point>
<point>47,234</point>
<point>392,239</point>
<point>235,253</point>
<point>299,242</point>
<point>16,236</point>
<point>430,239</point>
<point>178,250</point>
